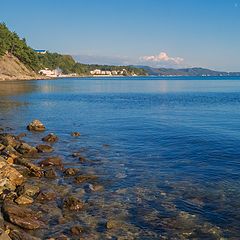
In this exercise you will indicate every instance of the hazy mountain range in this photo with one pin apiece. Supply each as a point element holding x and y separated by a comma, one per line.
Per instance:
<point>196,71</point>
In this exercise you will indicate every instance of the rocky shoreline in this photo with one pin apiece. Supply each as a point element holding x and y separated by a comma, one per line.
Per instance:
<point>29,200</point>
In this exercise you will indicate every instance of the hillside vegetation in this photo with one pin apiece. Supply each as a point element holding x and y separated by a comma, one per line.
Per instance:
<point>11,43</point>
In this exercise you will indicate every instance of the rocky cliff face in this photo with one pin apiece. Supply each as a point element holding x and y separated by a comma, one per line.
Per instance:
<point>12,69</point>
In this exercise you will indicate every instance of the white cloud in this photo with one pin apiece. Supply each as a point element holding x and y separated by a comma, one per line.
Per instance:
<point>163,58</point>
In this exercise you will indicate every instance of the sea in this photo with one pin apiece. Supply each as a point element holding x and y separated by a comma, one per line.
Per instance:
<point>166,150</point>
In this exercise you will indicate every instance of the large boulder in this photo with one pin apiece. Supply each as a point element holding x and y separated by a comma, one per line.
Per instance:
<point>8,139</point>
<point>10,178</point>
<point>36,125</point>
<point>25,148</point>
<point>35,170</point>
<point>21,216</point>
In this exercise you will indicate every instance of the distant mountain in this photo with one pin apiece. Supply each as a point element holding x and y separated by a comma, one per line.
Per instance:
<point>186,72</point>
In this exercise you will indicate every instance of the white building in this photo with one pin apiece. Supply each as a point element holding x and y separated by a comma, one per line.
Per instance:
<point>51,73</point>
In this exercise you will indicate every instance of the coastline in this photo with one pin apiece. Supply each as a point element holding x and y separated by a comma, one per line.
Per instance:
<point>27,175</point>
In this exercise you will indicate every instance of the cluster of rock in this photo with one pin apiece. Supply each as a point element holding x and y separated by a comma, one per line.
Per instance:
<point>17,165</point>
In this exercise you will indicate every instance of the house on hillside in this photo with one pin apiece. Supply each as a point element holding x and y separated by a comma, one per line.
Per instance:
<point>40,51</point>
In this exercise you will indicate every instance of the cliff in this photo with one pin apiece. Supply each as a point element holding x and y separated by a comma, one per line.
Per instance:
<point>11,68</point>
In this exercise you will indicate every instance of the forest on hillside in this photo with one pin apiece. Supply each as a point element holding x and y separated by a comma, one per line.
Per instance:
<point>10,42</point>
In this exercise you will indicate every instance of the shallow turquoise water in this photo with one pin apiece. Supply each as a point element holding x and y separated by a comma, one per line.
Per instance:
<point>168,148</point>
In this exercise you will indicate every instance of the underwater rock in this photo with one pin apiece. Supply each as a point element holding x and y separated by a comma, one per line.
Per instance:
<point>50,173</point>
<point>73,204</point>
<point>113,224</point>
<point>85,178</point>
<point>36,125</point>
<point>71,171</point>
<point>46,195</point>
<point>51,161</point>
<point>21,216</point>
<point>93,187</point>
<point>76,230</point>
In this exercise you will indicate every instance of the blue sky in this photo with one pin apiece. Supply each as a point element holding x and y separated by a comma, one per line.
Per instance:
<point>162,33</point>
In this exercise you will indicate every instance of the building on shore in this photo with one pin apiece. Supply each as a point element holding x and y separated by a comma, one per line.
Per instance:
<point>40,51</point>
<point>51,73</point>
<point>108,73</point>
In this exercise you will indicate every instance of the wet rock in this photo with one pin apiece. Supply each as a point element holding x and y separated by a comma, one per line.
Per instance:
<point>73,204</point>
<point>85,178</point>
<point>10,178</point>
<point>51,161</point>
<point>17,234</point>
<point>2,147</point>
<point>50,173</point>
<point>24,200</point>
<point>9,195</point>
<point>10,151</point>
<point>25,148</point>
<point>35,170</point>
<point>9,140</point>
<point>36,125</point>
<point>46,196</point>
<point>21,216</point>
<point>75,134</point>
<point>10,160</point>
<point>71,171</point>
<point>3,235</point>
<point>44,148</point>
<point>50,138</point>
<point>76,230</point>
<point>28,190</point>
<point>2,162</point>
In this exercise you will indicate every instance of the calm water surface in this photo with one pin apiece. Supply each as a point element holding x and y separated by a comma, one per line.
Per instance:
<point>167,150</point>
